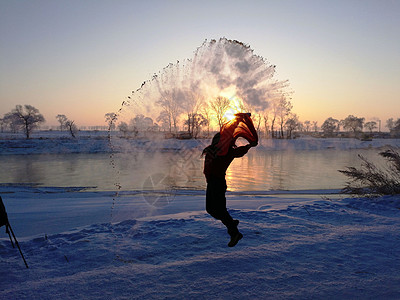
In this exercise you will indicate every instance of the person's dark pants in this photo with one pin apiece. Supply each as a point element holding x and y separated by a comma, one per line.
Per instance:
<point>216,203</point>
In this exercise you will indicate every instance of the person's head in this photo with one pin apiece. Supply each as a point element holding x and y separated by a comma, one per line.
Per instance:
<point>212,149</point>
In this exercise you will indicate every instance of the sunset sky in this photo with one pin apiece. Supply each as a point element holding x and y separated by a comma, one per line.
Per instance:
<point>83,58</point>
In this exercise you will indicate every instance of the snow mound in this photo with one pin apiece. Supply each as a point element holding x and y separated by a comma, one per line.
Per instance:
<point>326,249</point>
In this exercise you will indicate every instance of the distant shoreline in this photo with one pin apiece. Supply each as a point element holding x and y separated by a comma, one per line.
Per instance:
<point>91,142</point>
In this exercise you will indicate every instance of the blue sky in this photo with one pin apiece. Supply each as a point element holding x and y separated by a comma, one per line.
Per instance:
<point>83,58</point>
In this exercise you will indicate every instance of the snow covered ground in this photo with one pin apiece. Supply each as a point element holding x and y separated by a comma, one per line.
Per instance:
<point>81,244</point>
<point>314,247</point>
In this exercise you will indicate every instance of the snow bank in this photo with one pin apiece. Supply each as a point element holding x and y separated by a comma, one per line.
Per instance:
<point>325,249</point>
<point>57,209</point>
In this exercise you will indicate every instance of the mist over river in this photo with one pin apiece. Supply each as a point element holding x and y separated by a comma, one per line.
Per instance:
<point>259,170</point>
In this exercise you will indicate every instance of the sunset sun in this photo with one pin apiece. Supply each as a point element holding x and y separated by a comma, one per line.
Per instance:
<point>236,106</point>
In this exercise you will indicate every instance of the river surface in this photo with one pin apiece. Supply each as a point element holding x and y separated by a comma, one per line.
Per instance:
<point>257,171</point>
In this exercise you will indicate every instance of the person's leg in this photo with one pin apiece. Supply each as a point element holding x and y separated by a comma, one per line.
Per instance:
<point>216,205</point>
<point>215,199</point>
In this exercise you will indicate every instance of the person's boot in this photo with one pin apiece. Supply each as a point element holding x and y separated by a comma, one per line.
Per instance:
<point>235,238</point>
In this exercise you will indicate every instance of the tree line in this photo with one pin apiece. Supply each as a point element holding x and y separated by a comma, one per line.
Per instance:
<point>184,111</point>
<point>276,121</point>
<point>355,125</point>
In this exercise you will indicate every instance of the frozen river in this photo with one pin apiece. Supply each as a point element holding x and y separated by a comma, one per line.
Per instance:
<point>257,171</point>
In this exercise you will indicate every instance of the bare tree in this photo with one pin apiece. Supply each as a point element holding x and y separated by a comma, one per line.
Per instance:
<point>2,125</point>
<point>171,103</point>
<point>206,113</point>
<point>292,124</point>
<point>165,119</point>
<point>62,119</point>
<point>274,114</point>
<point>390,124</point>
<point>266,123</point>
<point>371,125</point>
<point>197,121</point>
<point>219,106</point>
<point>315,126</point>
<point>141,123</point>
<point>71,127</point>
<point>354,124</point>
<point>329,126</point>
<point>397,125</point>
<point>124,128</point>
<point>284,110</point>
<point>395,128</point>
<point>111,118</point>
<point>67,124</point>
<point>12,122</point>
<point>307,125</point>
<point>257,118</point>
<point>192,105</point>
<point>27,118</point>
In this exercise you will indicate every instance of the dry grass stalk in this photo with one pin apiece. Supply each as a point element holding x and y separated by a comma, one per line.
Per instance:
<point>369,180</point>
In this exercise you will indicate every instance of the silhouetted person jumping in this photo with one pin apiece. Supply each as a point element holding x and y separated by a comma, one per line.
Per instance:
<point>219,155</point>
